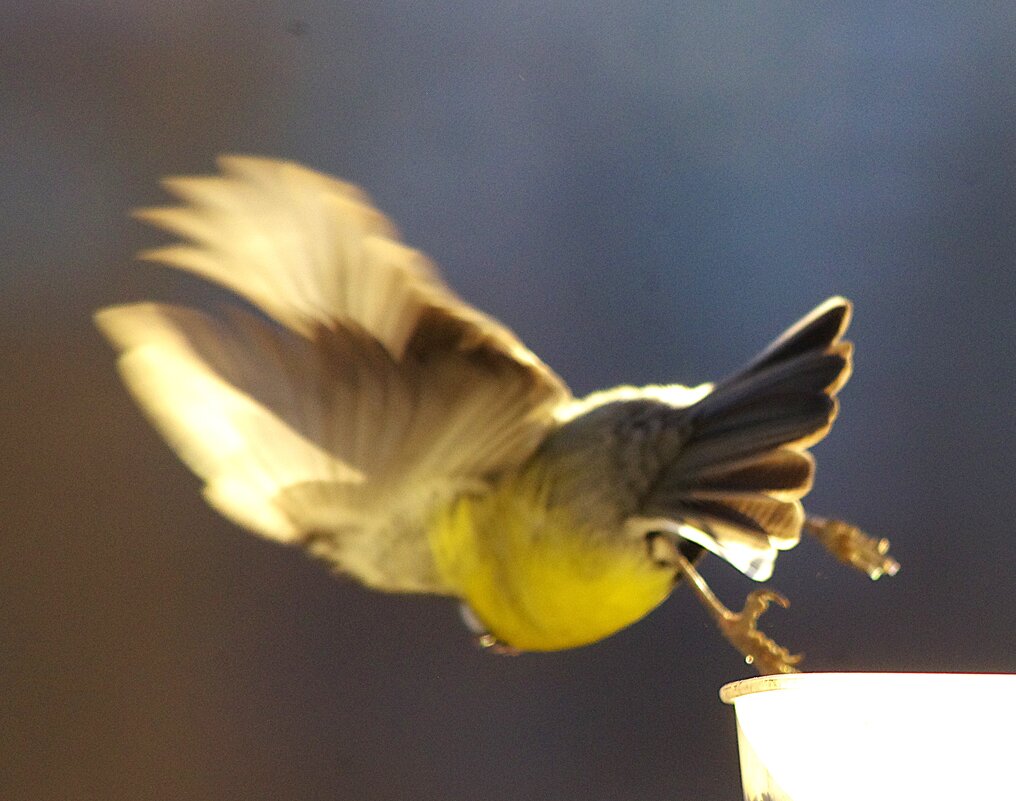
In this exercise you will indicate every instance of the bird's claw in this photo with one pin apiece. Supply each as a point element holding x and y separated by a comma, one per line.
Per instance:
<point>741,630</point>
<point>484,639</point>
<point>853,547</point>
<point>488,642</point>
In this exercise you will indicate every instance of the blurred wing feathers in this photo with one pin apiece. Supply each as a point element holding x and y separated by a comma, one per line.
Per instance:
<point>370,395</point>
<point>243,451</point>
<point>310,250</point>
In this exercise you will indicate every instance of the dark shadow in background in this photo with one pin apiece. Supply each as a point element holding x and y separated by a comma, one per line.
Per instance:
<point>645,195</point>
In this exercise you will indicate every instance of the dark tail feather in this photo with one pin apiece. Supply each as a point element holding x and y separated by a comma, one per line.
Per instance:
<point>784,397</point>
<point>816,331</point>
<point>743,466</point>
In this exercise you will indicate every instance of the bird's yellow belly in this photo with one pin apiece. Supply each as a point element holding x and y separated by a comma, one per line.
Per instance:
<point>535,580</point>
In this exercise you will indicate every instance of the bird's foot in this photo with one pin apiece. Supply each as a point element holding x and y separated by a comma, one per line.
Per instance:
<point>741,628</point>
<point>490,643</point>
<point>483,638</point>
<point>741,631</point>
<point>853,547</point>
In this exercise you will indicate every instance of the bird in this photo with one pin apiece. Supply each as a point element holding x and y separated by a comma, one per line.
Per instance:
<point>346,401</point>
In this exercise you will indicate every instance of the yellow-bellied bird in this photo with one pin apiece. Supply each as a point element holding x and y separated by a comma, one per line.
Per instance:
<point>365,412</point>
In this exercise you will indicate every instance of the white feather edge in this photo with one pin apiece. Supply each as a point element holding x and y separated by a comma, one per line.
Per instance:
<point>675,395</point>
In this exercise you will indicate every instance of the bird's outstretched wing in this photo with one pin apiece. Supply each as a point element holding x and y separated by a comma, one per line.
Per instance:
<point>365,394</point>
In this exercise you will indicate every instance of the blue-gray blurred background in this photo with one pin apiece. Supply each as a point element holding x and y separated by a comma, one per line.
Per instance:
<point>646,192</point>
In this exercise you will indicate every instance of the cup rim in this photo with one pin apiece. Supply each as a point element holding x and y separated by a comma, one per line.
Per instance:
<point>734,690</point>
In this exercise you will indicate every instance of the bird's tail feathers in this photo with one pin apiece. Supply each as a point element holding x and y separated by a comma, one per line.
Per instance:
<point>743,467</point>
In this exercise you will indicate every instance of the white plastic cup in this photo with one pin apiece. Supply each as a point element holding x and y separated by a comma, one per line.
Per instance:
<point>874,736</point>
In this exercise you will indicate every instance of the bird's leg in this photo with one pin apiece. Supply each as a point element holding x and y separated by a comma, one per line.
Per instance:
<point>853,547</point>
<point>740,628</point>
